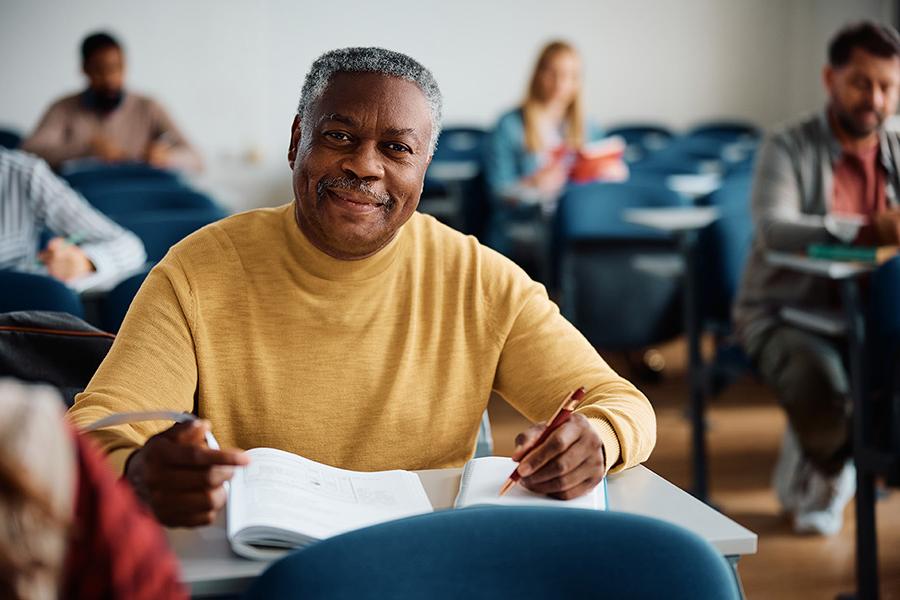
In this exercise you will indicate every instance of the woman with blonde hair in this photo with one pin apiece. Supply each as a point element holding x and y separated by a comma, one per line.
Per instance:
<point>531,150</point>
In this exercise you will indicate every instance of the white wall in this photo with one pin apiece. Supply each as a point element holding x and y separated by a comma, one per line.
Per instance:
<point>230,71</point>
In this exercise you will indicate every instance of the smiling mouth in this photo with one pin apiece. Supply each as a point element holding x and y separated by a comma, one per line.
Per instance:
<point>354,202</point>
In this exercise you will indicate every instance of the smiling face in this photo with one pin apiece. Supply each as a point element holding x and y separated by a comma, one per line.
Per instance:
<point>359,163</point>
<point>863,92</point>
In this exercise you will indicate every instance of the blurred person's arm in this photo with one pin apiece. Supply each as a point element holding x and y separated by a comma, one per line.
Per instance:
<point>106,246</point>
<point>777,204</point>
<point>50,140</point>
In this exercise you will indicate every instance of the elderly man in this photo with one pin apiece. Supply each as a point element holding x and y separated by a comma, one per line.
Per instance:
<point>831,178</point>
<point>107,123</point>
<point>349,329</point>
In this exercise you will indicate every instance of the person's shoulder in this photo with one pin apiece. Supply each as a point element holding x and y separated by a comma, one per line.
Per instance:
<point>805,130</point>
<point>229,235</point>
<point>67,103</point>
<point>22,162</point>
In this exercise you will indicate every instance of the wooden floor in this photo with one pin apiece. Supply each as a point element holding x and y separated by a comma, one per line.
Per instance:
<point>745,427</point>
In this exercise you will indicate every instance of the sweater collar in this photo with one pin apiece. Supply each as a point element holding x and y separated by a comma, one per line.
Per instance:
<point>323,266</point>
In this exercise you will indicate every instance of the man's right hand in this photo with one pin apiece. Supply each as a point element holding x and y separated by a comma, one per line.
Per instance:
<point>180,478</point>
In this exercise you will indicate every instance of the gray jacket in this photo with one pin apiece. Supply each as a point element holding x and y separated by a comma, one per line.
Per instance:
<point>792,193</point>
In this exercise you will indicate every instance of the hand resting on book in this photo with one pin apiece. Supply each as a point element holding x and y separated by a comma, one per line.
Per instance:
<point>570,462</point>
<point>180,478</point>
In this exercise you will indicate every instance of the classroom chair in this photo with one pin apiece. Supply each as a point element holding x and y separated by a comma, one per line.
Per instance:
<point>727,130</point>
<point>10,139</point>
<point>162,229</point>
<point>133,200</point>
<point>619,282</point>
<point>505,552</point>
<point>642,139</point>
<point>51,347</point>
<point>29,291</point>
<point>84,172</point>
<point>90,189</point>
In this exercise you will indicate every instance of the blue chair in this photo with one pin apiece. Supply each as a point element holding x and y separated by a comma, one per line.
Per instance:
<point>505,552</point>
<point>727,130</point>
<point>642,140</point>
<point>160,230</point>
<point>27,291</point>
<point>100,187</point>
<point>84,172</point>
<point>10,139</point>
<point>619,282</point>
<point>115,304</point>
<point>455,190</point>
<point>146,199</point>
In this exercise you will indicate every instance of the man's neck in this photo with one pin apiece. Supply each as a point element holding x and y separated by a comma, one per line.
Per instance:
<point>849,142</point>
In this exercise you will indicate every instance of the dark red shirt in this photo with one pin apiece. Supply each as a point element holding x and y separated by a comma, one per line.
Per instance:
<point>116,548</point>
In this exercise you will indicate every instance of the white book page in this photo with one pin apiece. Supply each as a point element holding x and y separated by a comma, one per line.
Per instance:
<point>482,478</point>
<point>280,490</point>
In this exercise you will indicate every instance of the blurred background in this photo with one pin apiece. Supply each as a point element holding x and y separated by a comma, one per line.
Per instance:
<point>230,72</point>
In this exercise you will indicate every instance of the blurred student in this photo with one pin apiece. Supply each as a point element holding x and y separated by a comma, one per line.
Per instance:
<point>108,123</point>
<point>68,527</point>
<point>32,199</point>
<point>531,150</point>
<point>830,178</point>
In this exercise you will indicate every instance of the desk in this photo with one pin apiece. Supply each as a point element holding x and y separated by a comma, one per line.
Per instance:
<point>209,567</point>
<point>846,275</point>
<point>685,222</point>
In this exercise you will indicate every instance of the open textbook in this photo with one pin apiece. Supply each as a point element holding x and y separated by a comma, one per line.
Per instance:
<point>282,501</point>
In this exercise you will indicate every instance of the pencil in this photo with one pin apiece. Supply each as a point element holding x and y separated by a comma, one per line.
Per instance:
<point>562,414</point>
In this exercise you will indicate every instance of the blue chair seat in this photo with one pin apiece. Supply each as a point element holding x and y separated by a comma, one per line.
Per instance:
<point>506,552</point>
<point>27,291</point>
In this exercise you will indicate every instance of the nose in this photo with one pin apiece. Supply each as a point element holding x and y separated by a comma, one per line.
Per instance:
<point>363,162</point>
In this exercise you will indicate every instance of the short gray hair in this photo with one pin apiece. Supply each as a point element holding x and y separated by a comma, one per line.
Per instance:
<point>371,60</point>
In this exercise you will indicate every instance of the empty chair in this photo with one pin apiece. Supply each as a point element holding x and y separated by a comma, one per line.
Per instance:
<point>729,131</point>
<point>114,306</point>
<point>28,291</point>
<point>146,199</point>
<point>505,552</point>
<point>642,139</point>
<point>10,139</point>
<point>87,172</point>
<point>460,144</point>
<point>161,229</point>
<point>620,283</point>
<point>100,187</point>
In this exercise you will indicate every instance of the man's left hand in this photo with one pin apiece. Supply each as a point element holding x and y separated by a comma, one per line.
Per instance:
<point>158,155</point>
<point>568,464</point>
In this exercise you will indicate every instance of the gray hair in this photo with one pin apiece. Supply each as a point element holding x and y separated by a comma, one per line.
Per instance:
<point>370,60</point>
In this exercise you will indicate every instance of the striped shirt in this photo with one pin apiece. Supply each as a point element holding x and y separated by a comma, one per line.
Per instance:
<point>33,198</point>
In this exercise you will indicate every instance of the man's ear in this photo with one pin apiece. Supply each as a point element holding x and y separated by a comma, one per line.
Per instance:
<point>828,78</point>
<point>295,141</point>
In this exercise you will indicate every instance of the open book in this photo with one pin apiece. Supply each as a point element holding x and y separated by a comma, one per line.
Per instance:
<point>282,501</point>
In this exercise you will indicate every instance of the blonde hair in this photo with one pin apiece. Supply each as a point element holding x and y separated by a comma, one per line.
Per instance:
<point>573,120</point>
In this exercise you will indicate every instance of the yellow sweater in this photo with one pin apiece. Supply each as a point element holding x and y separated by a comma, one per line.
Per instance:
<point>380,363</point>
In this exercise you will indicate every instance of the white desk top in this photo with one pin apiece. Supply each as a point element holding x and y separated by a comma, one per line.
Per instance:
<point>209,566</point>
<point>832,269</point>
<point>679,218</point>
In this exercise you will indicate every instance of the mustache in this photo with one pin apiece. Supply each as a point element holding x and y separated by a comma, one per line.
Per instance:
<point>356,185</point>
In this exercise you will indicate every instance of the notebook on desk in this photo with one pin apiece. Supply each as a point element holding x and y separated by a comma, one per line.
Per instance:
<point>282,501</point>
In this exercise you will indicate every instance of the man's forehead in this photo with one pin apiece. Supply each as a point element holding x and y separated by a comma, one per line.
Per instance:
<point>862,58</point>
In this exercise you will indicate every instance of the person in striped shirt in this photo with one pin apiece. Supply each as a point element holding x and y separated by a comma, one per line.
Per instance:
<point>32,199</point>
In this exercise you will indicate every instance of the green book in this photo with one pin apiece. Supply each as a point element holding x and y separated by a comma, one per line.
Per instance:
<point>866,254</point>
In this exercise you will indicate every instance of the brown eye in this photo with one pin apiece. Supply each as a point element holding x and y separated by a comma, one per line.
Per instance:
<point>395,147</point>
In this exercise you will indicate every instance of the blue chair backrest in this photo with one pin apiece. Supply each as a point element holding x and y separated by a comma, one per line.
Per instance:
<point>106,186</point>
<point>666,162</point>
<point>730,131</point>
<point>27,291</point>
<point>88,172</point>
<point>114,306</point>
<point>146,199</point>
<point>160,230</point>
<point>642,139</point>
<point>10,139</point>
<point>619,281</point>
<point>724,246</point>
<point>505,552</point>
<point>460,144</point>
